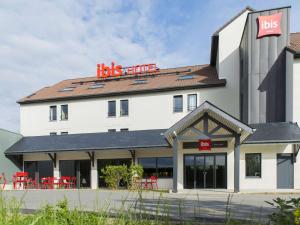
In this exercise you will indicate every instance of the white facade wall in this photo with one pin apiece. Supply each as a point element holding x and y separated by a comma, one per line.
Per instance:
<point>146,111</point>
<point>268,180</point>
<point>228,61</point>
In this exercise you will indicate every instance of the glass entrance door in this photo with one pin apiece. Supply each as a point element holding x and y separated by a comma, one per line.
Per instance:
<point>205,171</point>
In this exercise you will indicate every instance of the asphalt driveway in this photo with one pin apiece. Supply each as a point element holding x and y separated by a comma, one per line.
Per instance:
<point>204,206</point>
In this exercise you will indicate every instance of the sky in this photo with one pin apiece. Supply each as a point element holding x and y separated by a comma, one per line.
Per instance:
<point>44,42</point>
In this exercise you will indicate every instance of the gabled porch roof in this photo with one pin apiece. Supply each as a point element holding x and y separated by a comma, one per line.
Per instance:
<point>215,114</point>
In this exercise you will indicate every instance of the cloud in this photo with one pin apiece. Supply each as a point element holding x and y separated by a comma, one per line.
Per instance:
<point>43,42</point>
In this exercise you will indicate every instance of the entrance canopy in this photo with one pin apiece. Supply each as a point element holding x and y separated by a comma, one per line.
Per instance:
<point>209,121</point>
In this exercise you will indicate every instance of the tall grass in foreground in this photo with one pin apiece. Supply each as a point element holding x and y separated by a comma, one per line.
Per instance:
<point>138,213</point>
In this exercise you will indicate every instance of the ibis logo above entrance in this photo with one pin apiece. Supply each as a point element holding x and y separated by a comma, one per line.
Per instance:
<point>104,71</point>
<point>204,145</point>
<point>269,25</point>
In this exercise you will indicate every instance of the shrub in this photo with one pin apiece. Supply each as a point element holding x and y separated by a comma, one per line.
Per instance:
<point>287,211</point>
<point>134,172</point>
<point>114,174</point>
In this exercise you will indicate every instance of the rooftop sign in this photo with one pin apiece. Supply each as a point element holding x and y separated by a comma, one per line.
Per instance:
<point>113,70</point>
<point>269,25</point>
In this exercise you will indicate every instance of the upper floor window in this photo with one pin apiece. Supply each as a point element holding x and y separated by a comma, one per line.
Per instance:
<point>64,133</point>
<point>124,108</point>
<point>253,164</point>
<point>177,103</point>
<point>53,133</point>
<point>64,112</point>
<point>53,113</point>
<point>192,102</point>
<point>111,108</point>
<point>124,129</point>
<point>112,130</point>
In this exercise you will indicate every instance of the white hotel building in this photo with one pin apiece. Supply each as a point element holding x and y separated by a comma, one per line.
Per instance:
<point>246,101</point>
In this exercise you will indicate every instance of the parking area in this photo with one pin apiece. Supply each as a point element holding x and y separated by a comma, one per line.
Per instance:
<point>188,206</point>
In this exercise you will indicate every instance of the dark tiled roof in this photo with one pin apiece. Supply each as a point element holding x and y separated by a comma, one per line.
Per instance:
<point>162,80</point>
<point>90,141</point>
<point>284,132</point>
<point>294,43</point>
<point>129,140</point>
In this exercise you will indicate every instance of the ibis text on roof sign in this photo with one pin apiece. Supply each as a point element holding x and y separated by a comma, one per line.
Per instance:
<point>113,70</point>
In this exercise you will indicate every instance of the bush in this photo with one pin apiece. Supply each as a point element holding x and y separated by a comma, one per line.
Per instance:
<point>114,174</point>
<point>287,211</point>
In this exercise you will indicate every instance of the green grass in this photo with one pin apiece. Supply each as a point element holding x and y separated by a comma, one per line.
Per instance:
<point>137,214</point>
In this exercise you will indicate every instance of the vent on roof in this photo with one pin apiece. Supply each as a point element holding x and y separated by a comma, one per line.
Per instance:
<point>96,85</point>
<point>186,77</point>
<point>66,89</point>
<point>140,81</point>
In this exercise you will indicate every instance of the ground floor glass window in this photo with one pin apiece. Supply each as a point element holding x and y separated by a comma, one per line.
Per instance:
<point>253,164</point>
<point>161,167</point>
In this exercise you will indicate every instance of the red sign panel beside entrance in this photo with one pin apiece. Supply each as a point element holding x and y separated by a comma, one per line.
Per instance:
<point>204,145</point>
<point>269,25</point>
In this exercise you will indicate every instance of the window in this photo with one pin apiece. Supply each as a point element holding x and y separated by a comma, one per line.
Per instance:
<point>161,167</point>
<point>53,113</point>
<point>64,133</point>
<point>111,108</point>
<point>253,164</point>
<point>124,129</point>
<point>177,103</point>
<point>64,112</point>
<point>112,130</point>
<point>53,133</point>
<point>192,102</point>
<point>124,108</point>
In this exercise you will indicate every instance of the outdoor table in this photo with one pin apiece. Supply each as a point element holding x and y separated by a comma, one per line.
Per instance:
<point>50,182</point>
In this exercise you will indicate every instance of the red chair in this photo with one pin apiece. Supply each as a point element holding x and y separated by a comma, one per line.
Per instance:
<point>153,182</point>
<point>73,182</point>
<point>64,182</point>
<point>20,179</point>
<point>3,180</point>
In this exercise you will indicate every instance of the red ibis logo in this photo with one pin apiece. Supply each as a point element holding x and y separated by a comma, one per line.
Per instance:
<point>269,25</point>
<point>204,145</point>
<point>113,70</point>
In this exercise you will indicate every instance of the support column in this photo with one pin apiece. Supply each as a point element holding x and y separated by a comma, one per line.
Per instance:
<point>175,164</point>
<point>237,153</point>
<point>94,176</point>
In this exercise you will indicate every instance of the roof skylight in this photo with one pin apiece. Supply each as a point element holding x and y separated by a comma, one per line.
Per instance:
<point>66,89</point>
<point>96,85</point>
<point>186,77</point>
<point>140,81</point>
